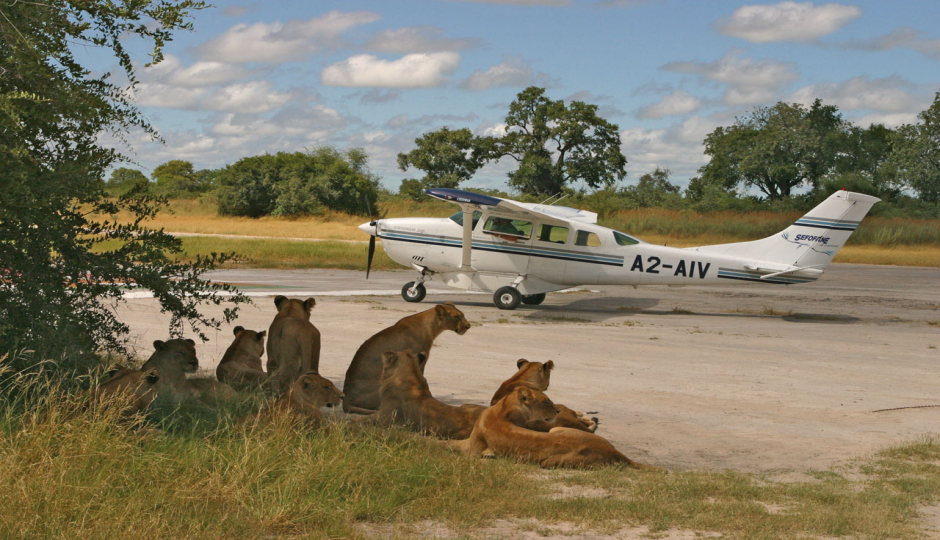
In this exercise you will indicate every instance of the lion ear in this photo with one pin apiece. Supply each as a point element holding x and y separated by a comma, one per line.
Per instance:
<point>278,300</point>
<point>191,342</point>
<point>440,310</point>
<point>238,330</point>
<point>422,357</point>
<point>159,345</point>
<point>521,362</point>
<point>389,358</point>
<point>309,303</point>
<point>261,334</point>
<point>548,366</point>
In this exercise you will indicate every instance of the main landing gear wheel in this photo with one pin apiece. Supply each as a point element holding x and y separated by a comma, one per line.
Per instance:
<point>533,299</point>
<point>507,298</point>
<point>413,295</point>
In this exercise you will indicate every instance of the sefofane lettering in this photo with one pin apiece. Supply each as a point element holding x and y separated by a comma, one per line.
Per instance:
<point>809,238</point>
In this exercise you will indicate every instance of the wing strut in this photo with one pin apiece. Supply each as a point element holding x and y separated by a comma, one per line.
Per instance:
<point>467,236</point>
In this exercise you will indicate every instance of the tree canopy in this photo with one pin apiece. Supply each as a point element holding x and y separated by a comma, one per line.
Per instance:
<point>915,155</point>
<point>63,263</point>
<point>448,156</point>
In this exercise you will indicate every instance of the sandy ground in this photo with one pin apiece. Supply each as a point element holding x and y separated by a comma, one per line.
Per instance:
<point>748,377</point>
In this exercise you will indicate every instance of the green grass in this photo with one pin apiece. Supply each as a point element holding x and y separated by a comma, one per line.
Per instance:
<point>73,471</point>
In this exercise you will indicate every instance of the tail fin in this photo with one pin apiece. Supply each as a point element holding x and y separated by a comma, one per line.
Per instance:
<point>813,240</point>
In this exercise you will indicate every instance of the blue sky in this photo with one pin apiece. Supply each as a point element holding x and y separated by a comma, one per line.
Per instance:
<point>284,75</point>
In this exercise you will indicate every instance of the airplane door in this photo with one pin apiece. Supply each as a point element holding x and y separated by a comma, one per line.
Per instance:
<point>550,247</point>
<point>589,252</point>
<point>502,244</point>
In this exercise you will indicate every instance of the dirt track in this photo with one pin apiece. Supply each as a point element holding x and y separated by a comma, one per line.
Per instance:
<point>749,377</point>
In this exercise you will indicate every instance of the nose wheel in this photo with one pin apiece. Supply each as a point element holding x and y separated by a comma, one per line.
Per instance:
<point>412,292</point>
<point>507,298</point>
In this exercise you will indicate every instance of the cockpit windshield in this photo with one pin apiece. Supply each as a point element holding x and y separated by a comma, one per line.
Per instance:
<point>458,218</point>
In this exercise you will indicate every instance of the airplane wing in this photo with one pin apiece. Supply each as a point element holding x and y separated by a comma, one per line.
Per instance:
<point>505,207</point>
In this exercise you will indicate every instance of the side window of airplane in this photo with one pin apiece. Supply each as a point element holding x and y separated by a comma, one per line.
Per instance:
<point>510,227</point>
<point>586,238</point>
<point>458,218</point>
<point>625,240</point>
<point>553,233</point>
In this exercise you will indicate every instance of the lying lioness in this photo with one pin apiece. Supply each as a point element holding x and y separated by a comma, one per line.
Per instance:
<point>536,375</point>
<point>407,400</point>
<point>499,432</point>
<point>302,401</point>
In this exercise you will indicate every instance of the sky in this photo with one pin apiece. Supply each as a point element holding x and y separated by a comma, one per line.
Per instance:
<point>286,76</point>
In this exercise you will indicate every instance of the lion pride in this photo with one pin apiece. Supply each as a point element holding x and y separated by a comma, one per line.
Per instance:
<point>415,333</point>
<point>536,375</point>
<point>500,431</point>
<point>240,366</point>
<point>407,400</point>
<point>293,343</point>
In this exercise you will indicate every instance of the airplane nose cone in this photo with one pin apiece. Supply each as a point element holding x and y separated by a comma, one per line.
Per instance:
<point>368,228</point>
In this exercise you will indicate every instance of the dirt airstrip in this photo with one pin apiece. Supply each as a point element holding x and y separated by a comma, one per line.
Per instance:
<point>750,377</point>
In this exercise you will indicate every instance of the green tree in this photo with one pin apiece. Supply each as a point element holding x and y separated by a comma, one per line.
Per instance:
<point>775,149</point>
<point>64,264</point>
<point>915,156</point>
<point>178,178</point>
<point>556,144</point>
<point>124,180</point>
<point>654,190</point>
<point>447,156</point>
<point>412,189</point>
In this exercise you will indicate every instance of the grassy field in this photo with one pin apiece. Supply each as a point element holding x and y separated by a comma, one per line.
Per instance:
<point>906,242</point>
<point>194,473</point>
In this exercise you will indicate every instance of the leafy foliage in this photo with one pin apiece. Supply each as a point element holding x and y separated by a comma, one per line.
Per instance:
<point>916,153</point>
<point>124,180</point>
<point>64,264</point>
<point>298,183</point>
<point>447,156</point>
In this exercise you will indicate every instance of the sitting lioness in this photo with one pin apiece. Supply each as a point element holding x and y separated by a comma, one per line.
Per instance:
<point>240,366</point>
<point>303,400</point>
<point>415,333</point>
<point>407,400</point>
<point>500,432</point>
<point>293,343</point>
<point>536,375</point>
<point>139,387</point>
<point>172,360</point>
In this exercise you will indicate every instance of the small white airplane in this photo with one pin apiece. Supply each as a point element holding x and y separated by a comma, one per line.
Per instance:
<point>521,251</point>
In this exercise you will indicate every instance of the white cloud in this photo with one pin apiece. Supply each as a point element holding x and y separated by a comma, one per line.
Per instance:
<point>887,95</point>
<point>167,96</point>
<point>417,39</point>
<point>421,70</point>
<point>892,120</point>
<point>748,81</point>
<point>280,42</point>
<point>511,72</point>
<point>678,148</point>
<point>786,21</point>
<point>489,129</point>
<point>250,97</point>
<point>903,37</point>
<point>171,71</point>
<point>679,102</point>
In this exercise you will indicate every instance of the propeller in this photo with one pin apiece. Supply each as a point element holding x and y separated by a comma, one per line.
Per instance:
<point>373,223</point>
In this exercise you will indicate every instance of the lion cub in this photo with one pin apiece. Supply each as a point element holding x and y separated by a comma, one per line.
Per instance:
<point>536,375</point>
<point>302,401</point>
<point>500,431</point>
<point>240,366</point>
<point>407,400</point>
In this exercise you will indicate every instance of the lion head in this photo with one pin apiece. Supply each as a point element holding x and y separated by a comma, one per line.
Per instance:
<point>141,387</point>
<point>402,370</point>
<point>175,355</point>
<point>529,405</point>
<point>292,307</point>
<point>534,374</point>
<point>249,341</point>
<point>452,318</point>
<point>311,391</point>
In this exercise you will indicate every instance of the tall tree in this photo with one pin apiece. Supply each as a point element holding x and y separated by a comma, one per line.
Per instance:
<point>775,149</point>
<point>176,177</point>
<point>447,156</point>
<point>124,179</point>
<point>916,153</point>
<point>555,144</point>
<point>63,262</point>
